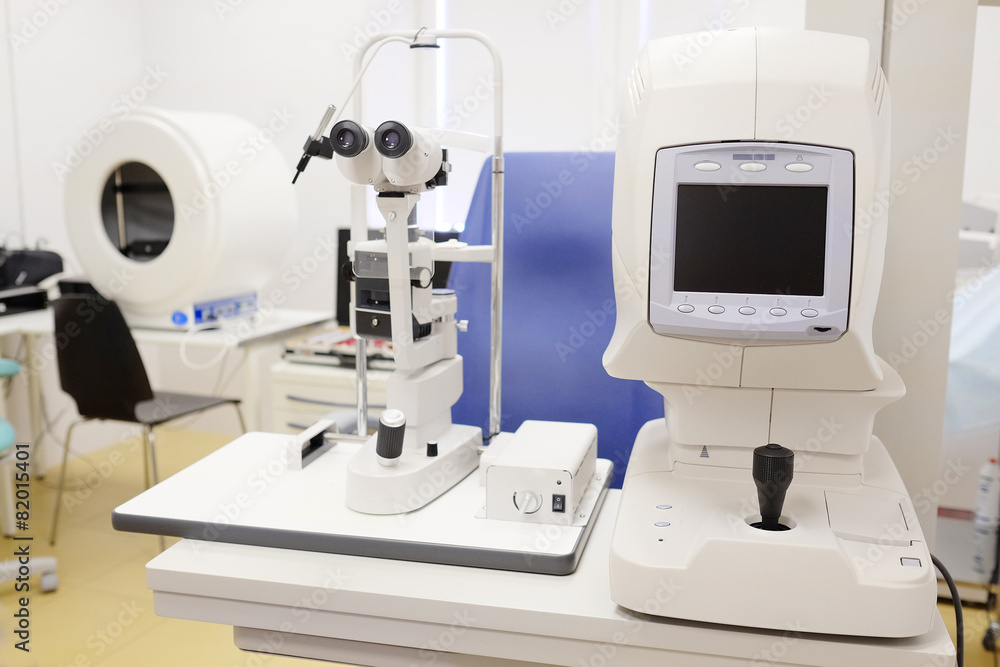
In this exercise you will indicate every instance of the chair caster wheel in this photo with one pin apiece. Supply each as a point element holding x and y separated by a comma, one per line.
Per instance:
<point>49,582</point>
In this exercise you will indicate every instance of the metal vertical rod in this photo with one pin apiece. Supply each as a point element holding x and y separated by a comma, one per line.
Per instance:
<point>151,443</point>
<point>361,367</point>
<point>62,481</point>
<point>496,293</point>
<point>120,208</point>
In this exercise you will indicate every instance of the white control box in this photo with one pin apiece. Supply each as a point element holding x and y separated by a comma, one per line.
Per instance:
<point>541,472</point>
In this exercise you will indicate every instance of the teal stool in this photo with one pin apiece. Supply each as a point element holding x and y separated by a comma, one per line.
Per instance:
<point>8,368</point>
<point>45,565</point>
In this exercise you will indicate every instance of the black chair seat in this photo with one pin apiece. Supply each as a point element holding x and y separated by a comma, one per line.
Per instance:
<point>167,405</point>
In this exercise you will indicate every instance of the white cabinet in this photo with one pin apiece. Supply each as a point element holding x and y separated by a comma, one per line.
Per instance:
<point>303,393</point>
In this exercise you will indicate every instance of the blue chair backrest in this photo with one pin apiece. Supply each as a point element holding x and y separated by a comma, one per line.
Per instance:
<point>558,306</point>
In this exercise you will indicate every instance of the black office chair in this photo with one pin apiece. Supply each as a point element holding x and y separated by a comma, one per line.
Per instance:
<point>100,367</point>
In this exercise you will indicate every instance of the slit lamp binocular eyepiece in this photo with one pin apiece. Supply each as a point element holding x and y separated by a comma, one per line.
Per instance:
<point>391,157</point>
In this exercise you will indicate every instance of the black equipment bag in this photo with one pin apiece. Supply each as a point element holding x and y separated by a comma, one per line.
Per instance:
<point>24,268</point>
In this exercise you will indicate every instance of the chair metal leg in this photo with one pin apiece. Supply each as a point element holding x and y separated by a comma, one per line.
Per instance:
<point>149,453</point>
<point>62,480</point>
<point>7,493</point>
<point>145,456</point>
<point>149,438</point>
<point>239,415</point>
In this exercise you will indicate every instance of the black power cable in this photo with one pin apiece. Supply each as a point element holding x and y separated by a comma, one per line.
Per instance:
<point>959,622</point>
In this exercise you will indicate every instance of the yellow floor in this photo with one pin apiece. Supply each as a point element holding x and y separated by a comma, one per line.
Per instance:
<point>102,614</point>
<point>976,624</point>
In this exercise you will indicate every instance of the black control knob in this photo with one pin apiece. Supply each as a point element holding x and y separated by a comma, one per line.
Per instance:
<point>772,473</point>
<point>389,441</point>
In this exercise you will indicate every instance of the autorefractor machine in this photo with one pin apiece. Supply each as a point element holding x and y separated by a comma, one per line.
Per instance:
<point>748,252</point>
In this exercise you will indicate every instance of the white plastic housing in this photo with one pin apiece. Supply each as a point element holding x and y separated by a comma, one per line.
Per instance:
<point>542,472</point>
<point>366,167</point>
<point>751,86</point>
<point>234,209</point>
<point>854,562</point>
<point>420,164</point>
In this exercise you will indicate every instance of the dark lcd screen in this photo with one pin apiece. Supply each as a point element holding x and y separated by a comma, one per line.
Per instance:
<point>750,239</point>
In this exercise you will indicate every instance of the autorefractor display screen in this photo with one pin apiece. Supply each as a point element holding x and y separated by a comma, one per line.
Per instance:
<point>750,239</point>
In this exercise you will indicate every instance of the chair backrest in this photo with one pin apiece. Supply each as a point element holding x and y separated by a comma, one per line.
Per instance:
<point>99,363</point>
<point>558,304</point>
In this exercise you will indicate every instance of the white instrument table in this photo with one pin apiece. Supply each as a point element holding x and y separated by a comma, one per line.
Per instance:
<point>250,492</point>
<point>385,613</point>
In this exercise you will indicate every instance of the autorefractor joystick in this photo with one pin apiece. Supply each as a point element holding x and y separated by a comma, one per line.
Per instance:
<point>772,473</point>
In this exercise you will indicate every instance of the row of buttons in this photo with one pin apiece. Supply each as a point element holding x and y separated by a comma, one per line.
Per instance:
<point>748,310</point>
<point>798,167</point>
<point>662,524</point>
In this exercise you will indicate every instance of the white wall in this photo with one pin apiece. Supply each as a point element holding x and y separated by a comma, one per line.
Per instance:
<point>930,92</point>
<point>10,182</point>
<point>972,436</point>
<point>982,177</point>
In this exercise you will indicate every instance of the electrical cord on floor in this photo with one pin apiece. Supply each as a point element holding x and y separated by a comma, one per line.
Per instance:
<point>959,622</point>
<point>992,614</point>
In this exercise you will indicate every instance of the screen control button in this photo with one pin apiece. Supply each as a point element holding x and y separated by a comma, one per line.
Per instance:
<point>799,167</point>
<point>747,310</point>
<point>753,166</point>
<point>686,308</point>
<point>708,166</point>
<point>716,310</point>
<point>810,312</point>
<point>778,312</point>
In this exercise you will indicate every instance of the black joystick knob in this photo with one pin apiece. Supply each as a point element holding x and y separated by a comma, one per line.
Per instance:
<point>772,473</point>
<point>389,441</point>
